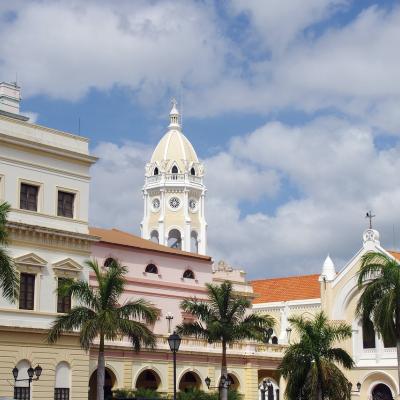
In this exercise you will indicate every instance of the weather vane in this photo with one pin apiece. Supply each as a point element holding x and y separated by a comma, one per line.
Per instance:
<point>370,216</point>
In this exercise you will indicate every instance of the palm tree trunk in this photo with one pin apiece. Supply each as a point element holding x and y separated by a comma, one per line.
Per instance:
<point>101,369</point>
<point>223,393</point>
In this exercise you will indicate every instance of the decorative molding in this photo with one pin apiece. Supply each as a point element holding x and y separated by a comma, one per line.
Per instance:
<point>30,260</point>
<point>67,267</point>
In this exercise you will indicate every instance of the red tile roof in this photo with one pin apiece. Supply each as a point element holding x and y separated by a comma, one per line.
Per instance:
<point>395,254</point>
<point>300,287</point>
<point>115,236</point>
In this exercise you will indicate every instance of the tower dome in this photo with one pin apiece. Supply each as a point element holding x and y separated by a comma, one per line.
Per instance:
<point>174,192</point>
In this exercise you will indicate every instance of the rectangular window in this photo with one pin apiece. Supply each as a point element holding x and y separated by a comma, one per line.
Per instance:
<point>65,204</point>
<point>61,394</point>
<point>63,302</point>
<point>21,393</point>
<point>27,292</point>
<point>28,198</point>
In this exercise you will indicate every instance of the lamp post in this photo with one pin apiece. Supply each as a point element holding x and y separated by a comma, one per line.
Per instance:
<point>266,387</point>
<point>31,372</point>
<point>288,333</point>
<point>225,381</point>
<point>174,342</point>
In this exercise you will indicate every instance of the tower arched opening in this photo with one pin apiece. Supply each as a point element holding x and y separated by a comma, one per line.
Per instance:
<point>174,169</point>
<point>175,239</point>
<point>194,242</point>
<point>154,236</point>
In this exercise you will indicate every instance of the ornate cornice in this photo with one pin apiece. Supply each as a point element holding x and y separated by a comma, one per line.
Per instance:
<point>50,237</point>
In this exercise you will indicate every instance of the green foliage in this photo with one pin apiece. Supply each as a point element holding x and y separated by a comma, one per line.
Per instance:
<point>223,317</point>
<point>196,394</point>
<point>9,277</point>
<point>147,394</point>
<point>99,312</point>
<point>310,365</point>
<point>379,281</point>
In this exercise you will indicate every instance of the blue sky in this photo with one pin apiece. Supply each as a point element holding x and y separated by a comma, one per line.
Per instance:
<point>292,105</point>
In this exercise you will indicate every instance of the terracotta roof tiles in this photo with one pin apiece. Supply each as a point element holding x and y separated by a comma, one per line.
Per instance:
<point>115,236</point>
<point>300,287</point>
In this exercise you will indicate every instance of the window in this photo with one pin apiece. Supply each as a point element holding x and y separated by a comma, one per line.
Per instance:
<point>21,393</point>
<point>188,274</point>
<point>274,340</point>
<point>155,171</point>
<point>154,236</point>
<point>194,242</point>
<point>63,302</point>
<point>174,169</point>
<point>27,291</point>
<point>108,262</point>
<point>28,198</point>
<point>192,171</point>
<point>368,335</point>
<point>151,269</point>
<point>174,239</point>
<point>65,204</point>
<point>61,394</point>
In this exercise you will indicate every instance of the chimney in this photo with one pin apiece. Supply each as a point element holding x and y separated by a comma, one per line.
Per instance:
<point>10,97</point>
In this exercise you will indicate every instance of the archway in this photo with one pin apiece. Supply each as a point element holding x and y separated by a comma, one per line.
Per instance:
<point>381,392</point>
<point>272,390</point>
<point>109,383</point>
<point>175,239</point>
<point>148,379</point>
<point>189,380</point>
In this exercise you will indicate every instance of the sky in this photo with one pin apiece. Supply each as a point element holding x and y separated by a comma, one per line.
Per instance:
<point>292,105</point>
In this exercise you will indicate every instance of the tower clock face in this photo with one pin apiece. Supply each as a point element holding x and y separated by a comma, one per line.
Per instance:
<point>156,204</point>
<point>192,205</point>
<point>174,202</point>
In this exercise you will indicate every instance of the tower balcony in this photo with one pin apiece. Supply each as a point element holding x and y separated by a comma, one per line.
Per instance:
<point>172,179</point>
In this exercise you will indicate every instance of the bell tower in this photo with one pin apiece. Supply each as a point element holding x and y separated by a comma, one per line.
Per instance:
<point>174,192</point>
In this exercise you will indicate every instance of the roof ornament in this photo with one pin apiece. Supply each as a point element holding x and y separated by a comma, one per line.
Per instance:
<point>370,216</point>
<point>174,116</point>
<point>328,269</point>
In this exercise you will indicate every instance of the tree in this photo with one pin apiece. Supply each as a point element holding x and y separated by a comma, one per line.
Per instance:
<point>98,314</point>
<point>309,366</point>
<point>379,282</point>
<point>224,318</point>
<point>9,277</point>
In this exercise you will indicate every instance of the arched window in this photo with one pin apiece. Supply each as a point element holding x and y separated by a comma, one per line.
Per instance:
<point>155,171</point>
<point>192,171</point>
<point>154,236</point>
<point>274,340</point>
<point>63,381</point>
<point>148,379</point>
<point>188,274</point>
<point>174,169</point>
<point>21,388</point>
<point>368,332</point>
<point>174,239</point>
<point>194,242</point>
<point>108,261</point>
<point>151,269</point>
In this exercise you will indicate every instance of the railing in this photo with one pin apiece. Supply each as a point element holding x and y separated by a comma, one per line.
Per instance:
<point>170,178</point>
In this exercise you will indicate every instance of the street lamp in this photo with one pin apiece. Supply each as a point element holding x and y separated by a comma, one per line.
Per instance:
<point>266,386</point>
<point>31,372</point>
<point>358,385</point>
<point>288,333</point>
<point>174,342</point>
<point>225,381</point>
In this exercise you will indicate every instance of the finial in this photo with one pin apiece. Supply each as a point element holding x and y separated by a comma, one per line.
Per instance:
<point>328,269</point>
<point>174,116</point>
<point>370,216</point>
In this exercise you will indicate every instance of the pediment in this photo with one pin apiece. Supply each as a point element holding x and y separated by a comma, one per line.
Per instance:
<point>67,265</point>
<point>31,260</point>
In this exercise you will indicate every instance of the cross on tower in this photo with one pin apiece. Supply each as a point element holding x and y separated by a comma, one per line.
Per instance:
<point>370,216</point>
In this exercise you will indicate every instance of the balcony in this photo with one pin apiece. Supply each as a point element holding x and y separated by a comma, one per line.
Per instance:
<point>172,179</point>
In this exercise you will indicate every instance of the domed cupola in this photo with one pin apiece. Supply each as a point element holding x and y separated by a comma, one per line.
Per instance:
<point>174,192</point>
<point>174,150</point>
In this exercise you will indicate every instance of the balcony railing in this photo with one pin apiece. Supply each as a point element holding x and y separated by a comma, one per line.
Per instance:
<point>172,178</point>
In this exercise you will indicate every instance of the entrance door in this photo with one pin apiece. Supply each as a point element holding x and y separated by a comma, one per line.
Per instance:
<point>381,392</point>
<point>108,385</point>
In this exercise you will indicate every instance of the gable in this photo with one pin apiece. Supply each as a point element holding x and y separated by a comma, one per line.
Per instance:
<point>67,265</point>
<point>30,260</point>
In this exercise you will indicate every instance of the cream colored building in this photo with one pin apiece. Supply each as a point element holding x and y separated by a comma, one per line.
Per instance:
<point>336,293</point>
<point>44,176</point>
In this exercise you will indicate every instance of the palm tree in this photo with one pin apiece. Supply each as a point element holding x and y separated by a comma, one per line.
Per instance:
<point>98,314</point>
<point>9,278</point>
<point>379,281</point>
<point>310,365</point>
<point>224,318</point>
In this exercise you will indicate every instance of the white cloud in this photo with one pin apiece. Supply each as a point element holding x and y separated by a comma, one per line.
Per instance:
<point>333,166</point>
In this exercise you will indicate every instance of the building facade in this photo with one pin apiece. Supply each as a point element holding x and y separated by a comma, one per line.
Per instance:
<point>337,295</point>
<point>44,176</point>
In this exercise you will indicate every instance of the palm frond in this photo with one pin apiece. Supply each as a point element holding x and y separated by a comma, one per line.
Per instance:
<point>139,334</point>
<point>139,309</point>
<point>9,277</point>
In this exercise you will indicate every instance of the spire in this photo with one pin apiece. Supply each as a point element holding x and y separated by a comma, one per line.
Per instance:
<point>174,116</point>
<point>328,269</point>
